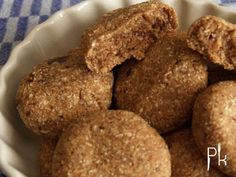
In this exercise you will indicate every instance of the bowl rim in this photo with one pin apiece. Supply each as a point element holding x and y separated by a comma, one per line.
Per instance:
<point>11,62</point>
<point>5,167</point>
<point>28,38</point>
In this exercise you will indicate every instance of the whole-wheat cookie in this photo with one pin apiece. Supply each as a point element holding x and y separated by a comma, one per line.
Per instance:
<point>126,33</point>
<point>162,87</point>
<point>216,39</point>
<point>186,159</point>
<point>59,90</point>
<point>48,146</point>
<point>214,122</point>
<point>111,144</point>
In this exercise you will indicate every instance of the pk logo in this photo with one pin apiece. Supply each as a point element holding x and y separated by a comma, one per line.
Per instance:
<point>212,152</point>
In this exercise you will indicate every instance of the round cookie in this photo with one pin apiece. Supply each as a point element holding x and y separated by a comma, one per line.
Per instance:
<point>111,144</point>
<point>162,87</point>
<point>186,159</point>
<point>215,38</point>
<point>45,156</point>
<point>59,90</point>
<point>126,32</point>
<point>214,122</point>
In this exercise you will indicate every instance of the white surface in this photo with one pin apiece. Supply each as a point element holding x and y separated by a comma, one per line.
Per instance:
<point>18,147</point>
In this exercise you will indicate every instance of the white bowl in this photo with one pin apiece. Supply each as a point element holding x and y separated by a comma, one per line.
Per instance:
<point>60,33</point>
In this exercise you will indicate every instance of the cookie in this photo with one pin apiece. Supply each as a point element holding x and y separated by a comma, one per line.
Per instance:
<point>214,122</point>
<point>186,159</point>
<point>216,39</point>
<point>59,90</point>
<point>126,33</point>
<point>45,156</point>
<point>111,144</point>
<point>162,87</point>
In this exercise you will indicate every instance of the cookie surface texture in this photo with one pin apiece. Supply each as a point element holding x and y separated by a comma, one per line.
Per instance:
<point>216,39</point>
<point>162,87</point>
<point>111,143</point>
<point>214,123</point>
<point>59,90</point>
<point>125,33</point>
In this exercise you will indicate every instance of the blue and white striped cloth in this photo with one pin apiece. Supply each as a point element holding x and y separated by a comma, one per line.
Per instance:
<point>226,1</point>
<point>18,17</point>
<point>229,3</point>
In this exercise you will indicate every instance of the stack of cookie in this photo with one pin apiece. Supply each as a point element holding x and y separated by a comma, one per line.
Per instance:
<point>133,99</point>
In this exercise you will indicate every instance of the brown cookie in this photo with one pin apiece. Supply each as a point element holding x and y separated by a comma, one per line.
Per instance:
<point>111,143</point>
<point>59,90</point>
<point>162,87</point>
<point>214,122</point>
<point>45,156</point>
<point>126,33</point>
<point>186,159</point>
<point>216,39</point>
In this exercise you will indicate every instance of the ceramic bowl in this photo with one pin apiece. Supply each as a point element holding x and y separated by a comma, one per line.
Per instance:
<point>60,33</point>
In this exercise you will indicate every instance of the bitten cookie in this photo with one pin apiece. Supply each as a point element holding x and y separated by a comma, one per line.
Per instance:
<point>45,156</point>
<point>162,87</point>
<point>214,122</point>
<point>186,159</point>
<point>59,90</point>
<point>216,39</point>
<point>111,143</point>
<point>126,33</point>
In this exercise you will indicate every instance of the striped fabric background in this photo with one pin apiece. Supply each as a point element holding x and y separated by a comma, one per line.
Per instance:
<point>226,1</point>
<point>229,3</point>
<point>19,17</point>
